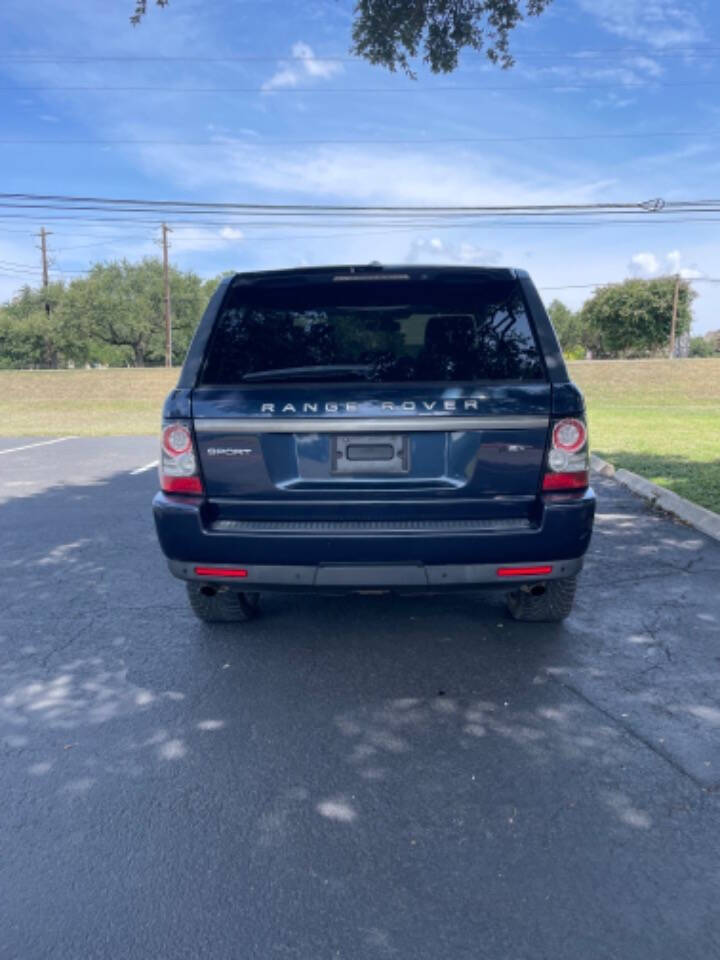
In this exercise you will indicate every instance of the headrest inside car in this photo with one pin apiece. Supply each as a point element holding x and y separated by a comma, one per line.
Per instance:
<point>452,332</point>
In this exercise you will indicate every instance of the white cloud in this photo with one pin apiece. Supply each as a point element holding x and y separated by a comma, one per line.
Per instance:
<point>674,260</point>
<point>643,263</point>
<point>197,239</point>
<point>303,66</point>
<point>313,66</point>
<point>613,101</point>
<point>647,64</point>
<point>379,174</point>
<point>231,233</point>
<point>286,77</point>
<point>648,264</point>
<point>435,250</point>
<point>657,23</point>
<point>587,69</point>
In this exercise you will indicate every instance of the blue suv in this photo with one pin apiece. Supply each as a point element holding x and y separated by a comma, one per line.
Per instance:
<point>369,428</point>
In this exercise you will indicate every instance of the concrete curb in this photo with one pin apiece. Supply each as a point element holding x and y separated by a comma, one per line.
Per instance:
<point>701,519</point>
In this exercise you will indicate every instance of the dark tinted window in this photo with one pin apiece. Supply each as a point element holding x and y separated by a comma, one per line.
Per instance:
<point>391,331</point>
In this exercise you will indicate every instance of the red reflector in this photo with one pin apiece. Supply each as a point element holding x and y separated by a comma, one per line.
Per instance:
<point>181,484</point>
<point>220,572</point>
<point>566,481</point>
<point>523,571</point>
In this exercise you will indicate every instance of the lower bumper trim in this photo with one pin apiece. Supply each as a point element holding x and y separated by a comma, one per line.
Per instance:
<point>382,576</point>
<point>370,528</point>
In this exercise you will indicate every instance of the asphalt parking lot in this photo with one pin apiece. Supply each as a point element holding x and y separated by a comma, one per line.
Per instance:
<point>360,777</point>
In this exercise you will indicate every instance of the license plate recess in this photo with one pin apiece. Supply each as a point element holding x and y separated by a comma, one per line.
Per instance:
<point>373,454</point>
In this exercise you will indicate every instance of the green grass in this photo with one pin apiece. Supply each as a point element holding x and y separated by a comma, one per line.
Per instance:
<point>659,418</point>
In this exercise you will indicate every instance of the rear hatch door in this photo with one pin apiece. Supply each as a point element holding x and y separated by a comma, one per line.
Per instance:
<point>373,397</point>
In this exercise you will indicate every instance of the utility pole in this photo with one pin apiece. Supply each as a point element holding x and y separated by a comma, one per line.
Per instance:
<point>45,280</point>
<point>673,326</point>
<point>166,296</point>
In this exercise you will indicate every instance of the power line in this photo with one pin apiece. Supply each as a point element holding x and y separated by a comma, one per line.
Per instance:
<point>35,277</point>
<point>667,52</point>
<point>577,286</point>
<point>132,204</point>
<point>13,264</point>
<point>136,213</point>
<point>267,142</point>
<point>413,224</point>
<point>237,221</point>
<point>565,85</point>
<point>102,238</point>
<point>671,49</point>
<point>142,58</point>
<point>247,222</point>
<point>285,233</point>
<point>64,270</point>
<point>8,272</point>
<point>407,227</point>
<point>29,268</point>
<point>86,246</point>
<point>605,283</point>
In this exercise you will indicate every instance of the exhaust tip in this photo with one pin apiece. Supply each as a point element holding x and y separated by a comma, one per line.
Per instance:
<point>208,591</point>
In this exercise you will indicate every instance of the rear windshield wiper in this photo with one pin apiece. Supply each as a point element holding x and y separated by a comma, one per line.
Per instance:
<point>323,372</point>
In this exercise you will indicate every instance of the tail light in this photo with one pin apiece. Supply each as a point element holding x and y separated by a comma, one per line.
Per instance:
<point>178,464</point>
<point>568,460</point>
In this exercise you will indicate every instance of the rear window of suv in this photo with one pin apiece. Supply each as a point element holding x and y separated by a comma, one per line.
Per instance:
<point>382,332</point>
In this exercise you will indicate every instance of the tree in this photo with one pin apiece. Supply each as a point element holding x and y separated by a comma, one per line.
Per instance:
<point>112,316</point>
<point>634,318</point>
<point>569,327</point>
<point>118,308</point>
<point>392,32</point>
<point>29,337</point>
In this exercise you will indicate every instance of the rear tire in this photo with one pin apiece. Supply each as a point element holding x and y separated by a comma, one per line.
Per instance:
<point>222,606</point>
<point>551,606</point>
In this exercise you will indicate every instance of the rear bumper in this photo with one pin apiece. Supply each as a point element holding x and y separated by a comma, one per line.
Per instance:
<point>381,576</point>
<point>308,557</point>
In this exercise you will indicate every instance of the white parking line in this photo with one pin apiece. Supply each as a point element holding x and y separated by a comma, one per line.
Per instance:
<point>148,466</point>
<point>40,443</point>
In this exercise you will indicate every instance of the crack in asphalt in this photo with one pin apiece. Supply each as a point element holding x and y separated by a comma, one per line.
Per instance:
<point>658,751</point>
<point>655,625</point>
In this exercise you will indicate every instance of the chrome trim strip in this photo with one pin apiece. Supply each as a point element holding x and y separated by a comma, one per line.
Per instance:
<point>251,425</point>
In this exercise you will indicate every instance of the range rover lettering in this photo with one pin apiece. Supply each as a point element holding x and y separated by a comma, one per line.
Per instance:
<point>345,429</point>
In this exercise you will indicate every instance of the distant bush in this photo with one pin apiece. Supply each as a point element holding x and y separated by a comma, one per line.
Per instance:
<point>700,347</point>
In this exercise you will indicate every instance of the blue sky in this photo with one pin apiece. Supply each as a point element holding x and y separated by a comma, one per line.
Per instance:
<point>585,68</point>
